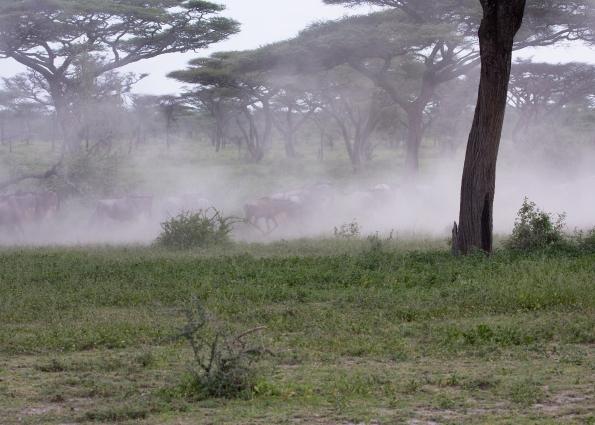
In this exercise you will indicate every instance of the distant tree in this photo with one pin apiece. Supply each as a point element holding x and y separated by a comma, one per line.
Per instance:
<point>540,91</point>
<point>171,109</point>
<point>215,104</point>
<point>446,29</point>
<point>456,98</point>
<point>357,108</point>
<point>498,23</point>
<point>50,36</point>
<point>227,78</point>
<point>19,111</point>
<point>381,46</point>
<point>293,105</point>
<point>145,114</point>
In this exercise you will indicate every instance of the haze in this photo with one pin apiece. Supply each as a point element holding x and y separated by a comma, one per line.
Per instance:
<point>291,133</point>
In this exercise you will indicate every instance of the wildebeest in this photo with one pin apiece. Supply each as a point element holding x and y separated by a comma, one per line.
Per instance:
<point>10,215</point>
<point>48,204</point>
<point>270,210</point>
<point>35,207</point>
<point>126,209</point>
<point>26,203</point>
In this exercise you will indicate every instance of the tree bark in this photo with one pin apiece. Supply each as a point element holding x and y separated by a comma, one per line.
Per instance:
<point>501,21</point>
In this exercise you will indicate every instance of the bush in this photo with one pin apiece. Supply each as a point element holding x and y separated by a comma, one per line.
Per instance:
<point>586,240</point>
<point>196,230</point>
<point>536,229</point>
<point>223,365</point>
<point>348,231</point>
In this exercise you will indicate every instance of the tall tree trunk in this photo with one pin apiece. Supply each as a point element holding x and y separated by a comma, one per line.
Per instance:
<point>414,137</point>
<point>289,134</point>
<point>290,145</point>
<point>356,157</point>
<point>501,21</point>
<point>66,120</point>
<point>2,129</point>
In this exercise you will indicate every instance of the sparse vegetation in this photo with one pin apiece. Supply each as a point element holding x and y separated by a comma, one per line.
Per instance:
<point>201,229</point>
<point>586,240</point>
<point>413,334</point>
<point>223,365</point>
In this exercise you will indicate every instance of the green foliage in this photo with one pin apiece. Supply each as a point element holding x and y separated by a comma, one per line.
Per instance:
<point>202,229</point>
<point>585,240</point>
<point>131,30</point>
<point>223,365</point>
<point>492,330</point>
<point>536,229</point>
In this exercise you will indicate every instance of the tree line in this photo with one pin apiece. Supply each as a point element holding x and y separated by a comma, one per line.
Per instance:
<point>399,76</point>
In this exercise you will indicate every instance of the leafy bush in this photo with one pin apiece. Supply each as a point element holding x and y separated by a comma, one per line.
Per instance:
<point>348,230</point>
<point>199,229</point>
<point>536,229</point>
<point>224,365</point>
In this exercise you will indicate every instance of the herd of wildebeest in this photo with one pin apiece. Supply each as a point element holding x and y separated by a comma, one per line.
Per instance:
<point>22,210</point>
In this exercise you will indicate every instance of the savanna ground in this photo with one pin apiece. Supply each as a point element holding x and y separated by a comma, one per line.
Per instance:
<point>394,333</point>
<point>399,332</point>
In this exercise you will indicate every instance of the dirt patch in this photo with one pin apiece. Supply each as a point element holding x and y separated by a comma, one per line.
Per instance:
<point>566,401</point>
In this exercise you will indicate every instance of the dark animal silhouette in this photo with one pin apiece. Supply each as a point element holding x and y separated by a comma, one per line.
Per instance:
<point>270,210</point>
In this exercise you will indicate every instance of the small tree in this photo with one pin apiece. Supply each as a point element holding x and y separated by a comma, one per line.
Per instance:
<point>229,78</point>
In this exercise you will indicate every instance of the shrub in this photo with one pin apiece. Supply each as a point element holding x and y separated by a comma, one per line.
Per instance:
<point>536,229</point>
<point>348,230</point>
<point>586,240</point>
<point>199,229</point>
<point>223,365</point>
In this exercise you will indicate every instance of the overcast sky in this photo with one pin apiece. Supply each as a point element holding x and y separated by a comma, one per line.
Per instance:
<point>266,21</point>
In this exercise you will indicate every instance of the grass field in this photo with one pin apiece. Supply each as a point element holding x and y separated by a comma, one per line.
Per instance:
<point>403,333</point>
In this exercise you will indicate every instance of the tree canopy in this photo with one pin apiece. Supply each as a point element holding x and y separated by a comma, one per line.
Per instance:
<point>47,35</point>
<point>50,37</point>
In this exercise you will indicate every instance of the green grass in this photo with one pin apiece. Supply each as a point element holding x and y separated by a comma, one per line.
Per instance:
<point>391,335</point>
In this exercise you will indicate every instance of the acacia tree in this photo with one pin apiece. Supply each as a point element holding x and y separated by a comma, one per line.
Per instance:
<point>380,46</point>
<point>216,106</point>
<point>49,36</point>
<point>540,90</point>
<point>548,21</point>
<point>500,24</point>
<point>293,106</point>
<point>227,76</point>
<point>357,108</point>
<point>449,28</point>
